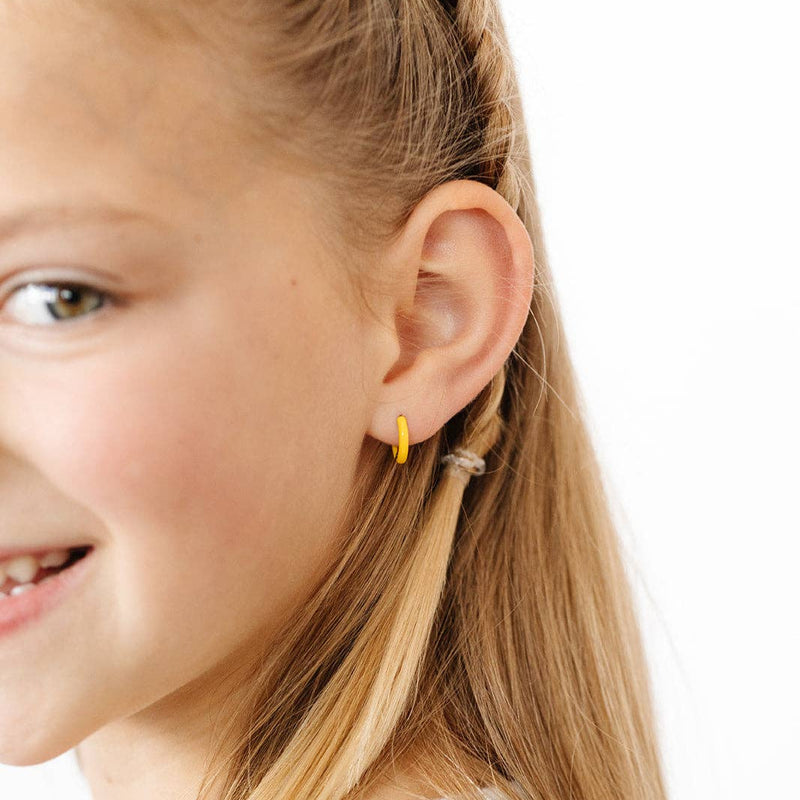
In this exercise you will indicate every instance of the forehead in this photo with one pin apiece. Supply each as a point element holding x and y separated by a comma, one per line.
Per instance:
<point>113,94</point>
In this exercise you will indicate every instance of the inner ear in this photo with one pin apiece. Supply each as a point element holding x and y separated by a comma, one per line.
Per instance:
<point>435,319</point>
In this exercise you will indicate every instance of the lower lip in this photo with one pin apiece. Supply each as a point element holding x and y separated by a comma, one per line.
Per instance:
<point>17,610</point>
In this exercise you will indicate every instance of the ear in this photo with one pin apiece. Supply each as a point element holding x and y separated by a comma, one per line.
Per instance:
<point>462,269</point>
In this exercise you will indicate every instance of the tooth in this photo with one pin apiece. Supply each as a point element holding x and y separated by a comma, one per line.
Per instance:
<point>55,558</point>
<point>23,587</point>
<point>22,568</point>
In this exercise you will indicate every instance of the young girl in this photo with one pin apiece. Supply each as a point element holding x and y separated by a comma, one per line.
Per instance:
<point>298,500</point>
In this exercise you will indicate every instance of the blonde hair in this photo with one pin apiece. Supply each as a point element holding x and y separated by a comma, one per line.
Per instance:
<point>484,633</point>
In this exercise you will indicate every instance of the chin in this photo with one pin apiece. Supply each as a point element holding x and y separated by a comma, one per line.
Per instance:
<point>31,747</point>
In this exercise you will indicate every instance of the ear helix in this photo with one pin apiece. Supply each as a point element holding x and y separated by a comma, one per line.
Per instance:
<point>400,451</point>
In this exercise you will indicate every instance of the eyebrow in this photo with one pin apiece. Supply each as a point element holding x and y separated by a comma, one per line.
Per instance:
<point>43,217</point>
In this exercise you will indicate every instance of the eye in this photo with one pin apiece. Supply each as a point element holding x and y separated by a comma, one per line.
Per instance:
<point>43,303</point>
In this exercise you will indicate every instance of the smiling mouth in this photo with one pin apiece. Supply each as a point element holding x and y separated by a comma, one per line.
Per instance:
<point>22,573</point>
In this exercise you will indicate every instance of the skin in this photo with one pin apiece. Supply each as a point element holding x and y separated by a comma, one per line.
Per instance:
<point>199,431</point>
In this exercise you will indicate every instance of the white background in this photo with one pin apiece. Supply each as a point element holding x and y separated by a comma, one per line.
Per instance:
<point>665,147</point>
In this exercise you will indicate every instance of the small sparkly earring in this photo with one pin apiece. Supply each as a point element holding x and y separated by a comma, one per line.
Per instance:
<point>400,452</point>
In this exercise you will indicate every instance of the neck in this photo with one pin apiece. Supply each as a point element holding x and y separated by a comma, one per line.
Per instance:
<point>161,751</point>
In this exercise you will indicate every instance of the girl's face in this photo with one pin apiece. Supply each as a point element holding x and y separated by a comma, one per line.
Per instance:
<point>196,426</point>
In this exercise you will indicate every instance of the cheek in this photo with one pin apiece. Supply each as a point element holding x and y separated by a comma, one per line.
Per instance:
<point>188,466</point>
<point>141,440</point>
<point>221,439</point>
<point>148,439</point>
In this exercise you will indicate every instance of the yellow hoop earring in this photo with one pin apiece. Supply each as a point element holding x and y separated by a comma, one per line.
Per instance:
<point>400,452</point>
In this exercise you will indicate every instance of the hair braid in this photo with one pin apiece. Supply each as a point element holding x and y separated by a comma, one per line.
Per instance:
<point>492,85</point>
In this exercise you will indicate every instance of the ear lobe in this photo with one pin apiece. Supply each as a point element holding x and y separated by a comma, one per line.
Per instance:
<point>469,261</point>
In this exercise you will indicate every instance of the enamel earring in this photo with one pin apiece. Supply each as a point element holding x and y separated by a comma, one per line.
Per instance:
<point>400,451</point>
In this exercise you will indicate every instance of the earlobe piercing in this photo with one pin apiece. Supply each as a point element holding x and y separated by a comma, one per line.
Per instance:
<point>400,451</point>
<point>464,463</point>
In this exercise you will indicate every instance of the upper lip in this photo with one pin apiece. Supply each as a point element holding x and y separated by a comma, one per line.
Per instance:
<point>11,552</point>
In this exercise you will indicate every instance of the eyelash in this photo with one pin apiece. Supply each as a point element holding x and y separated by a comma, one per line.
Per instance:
<point>77,287</point>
